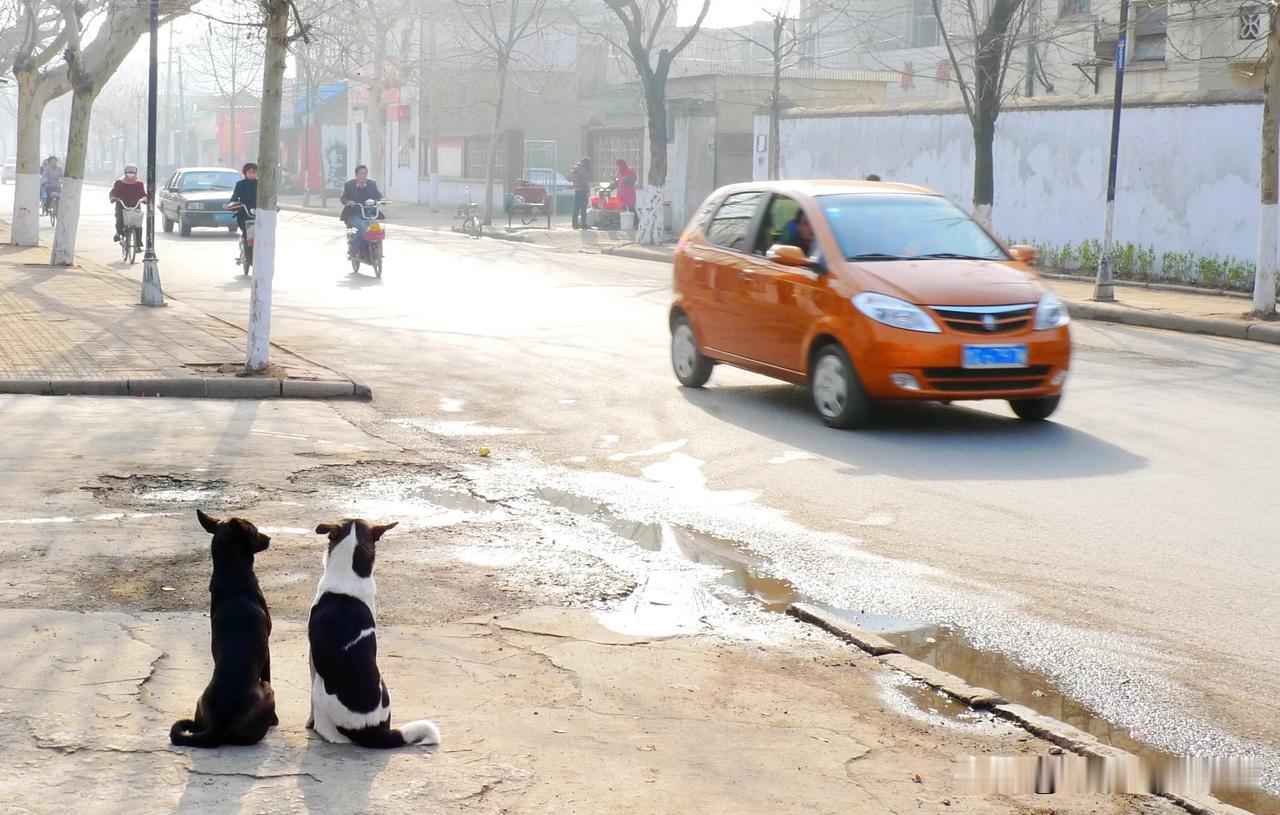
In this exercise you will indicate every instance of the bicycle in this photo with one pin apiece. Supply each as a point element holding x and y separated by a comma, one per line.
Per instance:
<point>471,224</point>
<point>49,206</point>
<point>245,260</point>
<point>131,238</point>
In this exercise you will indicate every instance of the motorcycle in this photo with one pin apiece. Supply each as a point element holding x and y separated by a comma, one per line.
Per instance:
<point>370,252</point>
<point>245,260</point>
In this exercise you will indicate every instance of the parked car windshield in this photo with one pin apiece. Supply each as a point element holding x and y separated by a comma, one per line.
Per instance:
<point>906,227</point>
<point>210,180</point>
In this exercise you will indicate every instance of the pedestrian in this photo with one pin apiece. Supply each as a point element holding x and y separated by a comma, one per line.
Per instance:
<point>625,184</point>
<point>581,176</point>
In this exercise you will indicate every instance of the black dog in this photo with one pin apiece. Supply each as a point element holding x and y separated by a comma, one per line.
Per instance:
<point>238,706</point>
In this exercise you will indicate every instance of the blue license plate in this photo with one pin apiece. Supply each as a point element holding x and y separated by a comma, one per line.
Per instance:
<point>995,356</point>
<point>226,216</point>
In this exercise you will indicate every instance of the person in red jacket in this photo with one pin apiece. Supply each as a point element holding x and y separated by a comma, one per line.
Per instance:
<point>126,192</point>
<point>625,184</point>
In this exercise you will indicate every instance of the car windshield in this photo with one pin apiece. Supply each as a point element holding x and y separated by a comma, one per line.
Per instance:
<point>210,180</point>
<point>906,227</point>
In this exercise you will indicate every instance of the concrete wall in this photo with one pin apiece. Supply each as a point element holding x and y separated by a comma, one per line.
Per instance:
<point>1188,175</point>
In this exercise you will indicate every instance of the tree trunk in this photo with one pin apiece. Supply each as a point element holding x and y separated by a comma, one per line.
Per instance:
<point>492,162</point>
<point>649,201</point>
<point>264,249</point>
<point>64,238</point>
<point>984,134</point>
<point>1264,280</point>
<point>26,195</point>
<point>775,105</point>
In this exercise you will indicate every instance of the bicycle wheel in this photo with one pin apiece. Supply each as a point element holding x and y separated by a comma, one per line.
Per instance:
<point>126,246</point>
<point>53,213</point>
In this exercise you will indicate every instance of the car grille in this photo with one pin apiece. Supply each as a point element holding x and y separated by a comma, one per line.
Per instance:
<point>986,319</point>
<point>986,379</point>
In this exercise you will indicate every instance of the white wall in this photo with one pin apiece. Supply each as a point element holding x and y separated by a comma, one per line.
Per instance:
<point>1188,176</point>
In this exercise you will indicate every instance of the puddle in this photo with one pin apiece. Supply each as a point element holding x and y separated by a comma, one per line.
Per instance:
<point>657,605</point>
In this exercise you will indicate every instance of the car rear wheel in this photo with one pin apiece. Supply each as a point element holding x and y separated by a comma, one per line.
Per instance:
<point>691,367</point>
<point>838,395</point>
<point>1035,410</point>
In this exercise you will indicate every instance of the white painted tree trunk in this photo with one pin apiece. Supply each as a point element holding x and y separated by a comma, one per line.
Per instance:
<point>1264,285</point>
<point>649,226</point>
<point>982,214</point>
<point>258,352</point>
<point>64,236</point>
<point>264,268</point>
<point>26,195</point>
<point>26,210</point>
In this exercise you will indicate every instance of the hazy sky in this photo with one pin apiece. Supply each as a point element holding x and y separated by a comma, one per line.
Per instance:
<point>729,12</point>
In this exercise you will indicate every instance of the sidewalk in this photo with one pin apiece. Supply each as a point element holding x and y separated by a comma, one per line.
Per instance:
<point>79,331</point>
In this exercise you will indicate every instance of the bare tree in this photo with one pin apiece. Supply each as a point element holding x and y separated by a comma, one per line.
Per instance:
<point>41,38</point>
<point>358,43</point>
<point>981,71</point>
<point>500,26</point>
<point>231,60</point>
<point>643,24</point>
<point>276,14</point>
<point>1264,279</point>
<point>89,67</point>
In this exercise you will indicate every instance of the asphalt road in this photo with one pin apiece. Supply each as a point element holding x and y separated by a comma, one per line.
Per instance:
<point>1126,549</point>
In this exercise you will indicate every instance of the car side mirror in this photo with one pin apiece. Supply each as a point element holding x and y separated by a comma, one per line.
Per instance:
<point>1023,253</point>
<point>787,255</point>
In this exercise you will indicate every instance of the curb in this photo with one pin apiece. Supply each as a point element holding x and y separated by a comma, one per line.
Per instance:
<point>193,388</point>
<point>1212,326</point>
<point>1058,733</point>
<point>657,255</point>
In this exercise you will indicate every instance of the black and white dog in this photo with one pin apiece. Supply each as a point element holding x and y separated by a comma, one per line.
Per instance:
<point>349,700</point>
<point>238,706</point>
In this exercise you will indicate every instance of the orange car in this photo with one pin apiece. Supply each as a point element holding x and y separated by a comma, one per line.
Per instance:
<point>864,291</point>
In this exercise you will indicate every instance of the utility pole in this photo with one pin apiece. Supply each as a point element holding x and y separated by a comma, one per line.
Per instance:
<point>168,102</point>
<point>1104,287</point>
<point>308,76</point>
<point>152,294</point>
<point>182,117</point>
<point>1264,281</point>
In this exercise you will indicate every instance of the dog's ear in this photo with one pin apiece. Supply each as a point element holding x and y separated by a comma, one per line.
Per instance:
<point>376,532</point>
<point>326,529</point>
<point>210,524</point>
<point>262,542</point>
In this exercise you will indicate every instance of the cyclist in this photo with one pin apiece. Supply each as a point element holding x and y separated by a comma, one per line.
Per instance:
<point>50,180</point>
<point>126,192</point>
<point>354,193</point>
<point>246,195</point>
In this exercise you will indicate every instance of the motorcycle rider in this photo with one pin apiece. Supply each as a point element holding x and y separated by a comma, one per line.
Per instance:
<point>126,192</point>
<point>245,194</point>
<point>354,193</point>
<point>50,179</point>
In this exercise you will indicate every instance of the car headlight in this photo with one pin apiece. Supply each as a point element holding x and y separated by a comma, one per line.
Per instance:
<point>1051,312</point>
<point>894,312</point>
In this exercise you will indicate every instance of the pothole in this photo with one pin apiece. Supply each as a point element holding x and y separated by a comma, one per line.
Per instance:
<point>166,489</point>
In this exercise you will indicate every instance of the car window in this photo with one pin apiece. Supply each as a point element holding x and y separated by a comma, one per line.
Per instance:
<point>906,227</point>
<point>173,182</point>
<point>731,226</point>
<point>774,227</point>
<point>203,181</point>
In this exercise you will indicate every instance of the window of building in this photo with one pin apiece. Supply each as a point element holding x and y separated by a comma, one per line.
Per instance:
<point>1150,31</point>
<point>477,158</point>
<point>731,226</point>
<point>1252,22</point>
<point>924,25</point>
<point>1069,7</point>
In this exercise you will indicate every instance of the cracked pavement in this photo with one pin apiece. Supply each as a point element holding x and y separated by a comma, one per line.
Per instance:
<point>103,608</point>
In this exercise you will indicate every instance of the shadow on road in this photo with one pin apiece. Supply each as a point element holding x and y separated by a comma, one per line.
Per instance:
<point>920,440</point>
<point>355,280</point>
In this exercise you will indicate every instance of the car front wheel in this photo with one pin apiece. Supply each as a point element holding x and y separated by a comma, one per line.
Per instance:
<point>691,367</point>
<point>838,395</point>
<point>1035,410</point>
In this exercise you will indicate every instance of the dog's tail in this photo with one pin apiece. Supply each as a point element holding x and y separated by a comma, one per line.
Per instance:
<point>422,731</point>
<point>184,734</point>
